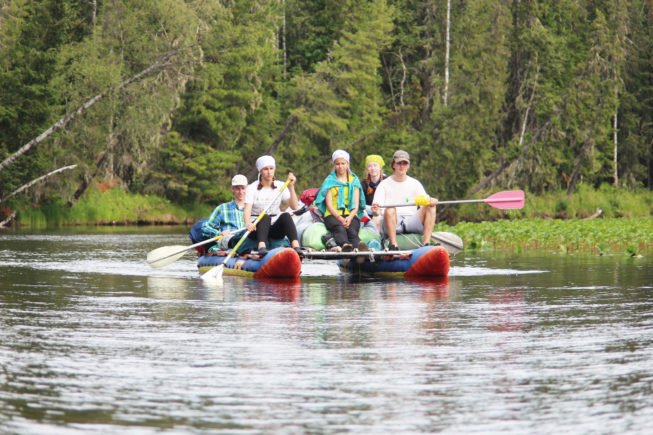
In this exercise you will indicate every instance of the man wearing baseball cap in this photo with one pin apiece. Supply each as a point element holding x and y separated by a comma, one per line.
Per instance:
<point>229,216</point>
<point>402,188</point>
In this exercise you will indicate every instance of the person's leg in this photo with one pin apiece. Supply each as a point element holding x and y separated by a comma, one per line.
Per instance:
<point>376,221</point>
<point>285,227</point>
<point>390,224</point>
<point>262,231</point>
<point>427,218</point>
<point>352,232</point>
<point>413,225</point>
<point>337,230</point>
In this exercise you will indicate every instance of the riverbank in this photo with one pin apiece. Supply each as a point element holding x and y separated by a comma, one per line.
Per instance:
<point>598,221</point>
<point>115,206</point>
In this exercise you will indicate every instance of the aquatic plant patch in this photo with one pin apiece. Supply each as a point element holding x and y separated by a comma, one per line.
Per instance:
<point>630,236</point>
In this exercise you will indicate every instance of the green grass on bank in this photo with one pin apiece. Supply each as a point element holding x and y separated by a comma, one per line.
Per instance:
<point>629,236</point>
<point>111,207</point>
<point>550,222</point>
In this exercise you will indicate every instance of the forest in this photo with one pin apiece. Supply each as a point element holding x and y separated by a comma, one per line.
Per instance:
<point>171,98</point>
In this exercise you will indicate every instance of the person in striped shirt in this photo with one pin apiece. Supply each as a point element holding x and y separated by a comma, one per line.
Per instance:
<point>229,216</point>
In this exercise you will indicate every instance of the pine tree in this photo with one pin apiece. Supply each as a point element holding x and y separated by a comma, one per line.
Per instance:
<point>230,109</point>
<point>118,138</point>
<point>636,120</point>
<point>341,104</point>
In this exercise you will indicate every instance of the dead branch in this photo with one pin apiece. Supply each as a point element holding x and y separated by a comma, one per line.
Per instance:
<point>162,62</point>
<point>6,221</point>
<point>290,123</point>
<point>578,165</point>
<point>36,180</point>
<point>596,214</point>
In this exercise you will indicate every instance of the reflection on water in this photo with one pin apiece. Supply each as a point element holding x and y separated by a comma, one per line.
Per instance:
<point>93,340</point>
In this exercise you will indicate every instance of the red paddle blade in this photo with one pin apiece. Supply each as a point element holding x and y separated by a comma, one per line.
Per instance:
<point>508,199</point>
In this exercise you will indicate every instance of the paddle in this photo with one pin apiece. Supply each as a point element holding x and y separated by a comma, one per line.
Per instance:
<point>505,200</point>
<point>450,241</point>
<point>165,255</point>
<point>216,273</point>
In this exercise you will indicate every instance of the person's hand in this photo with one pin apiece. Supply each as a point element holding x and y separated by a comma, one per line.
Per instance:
<point>342,221</point>
<point>348,221</point>
<point>376,209</point>
<point>292,178</point>
<point>433,202</point>
<point>225,233</point>
<point>251,227</point>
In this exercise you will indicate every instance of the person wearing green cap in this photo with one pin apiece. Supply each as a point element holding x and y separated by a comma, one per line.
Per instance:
<point>374,164</point>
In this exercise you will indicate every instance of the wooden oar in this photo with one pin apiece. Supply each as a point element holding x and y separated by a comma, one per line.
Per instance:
<point>215,274</point>
<point>505,200</point>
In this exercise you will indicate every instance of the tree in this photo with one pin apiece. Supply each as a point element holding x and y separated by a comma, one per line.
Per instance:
<point>229,110</point>
<point>341,104</point>
<point>107,143</point>
<point>118,138</point>
<point>311,28</point>
<point>636,120</point>
<point>32,33</point>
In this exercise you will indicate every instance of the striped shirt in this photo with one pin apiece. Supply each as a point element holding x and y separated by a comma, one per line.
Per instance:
<point>226,216</point>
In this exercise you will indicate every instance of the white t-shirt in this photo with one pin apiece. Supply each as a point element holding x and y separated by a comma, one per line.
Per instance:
<point>260,199</point>
<point>390,191</point>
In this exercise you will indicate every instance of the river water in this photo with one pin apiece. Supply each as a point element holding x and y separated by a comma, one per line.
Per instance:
<point>92,340</point>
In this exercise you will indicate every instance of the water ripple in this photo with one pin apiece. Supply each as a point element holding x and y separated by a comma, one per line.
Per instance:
<point>94,341</point>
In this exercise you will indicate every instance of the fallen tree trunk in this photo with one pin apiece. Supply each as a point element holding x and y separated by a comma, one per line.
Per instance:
<point>9,219</point>
<point>36,180</point>
<point>161,63</point>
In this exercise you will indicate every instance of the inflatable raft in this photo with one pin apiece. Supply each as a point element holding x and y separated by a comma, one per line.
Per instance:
<point>422,263</point>
<point>425,262</point>
<point>279,263</point>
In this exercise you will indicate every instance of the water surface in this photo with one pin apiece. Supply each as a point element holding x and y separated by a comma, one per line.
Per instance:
<point>92,340</point>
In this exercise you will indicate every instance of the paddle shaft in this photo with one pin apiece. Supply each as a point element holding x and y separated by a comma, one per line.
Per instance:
<point>512,199</point>
<point>165,255</point>
<point>457,201</point>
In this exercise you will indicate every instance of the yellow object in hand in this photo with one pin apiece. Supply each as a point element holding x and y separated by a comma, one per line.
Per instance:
<point>422,200</point>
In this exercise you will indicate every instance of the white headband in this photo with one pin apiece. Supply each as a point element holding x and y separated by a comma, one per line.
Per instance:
<point>264,162</point>
<point>340,154</point>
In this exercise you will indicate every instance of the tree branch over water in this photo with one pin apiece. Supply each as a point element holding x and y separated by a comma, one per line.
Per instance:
<point>161,63</point>
<point>36,180</point>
